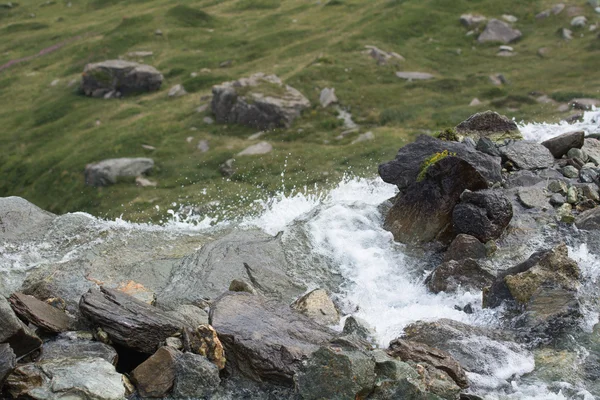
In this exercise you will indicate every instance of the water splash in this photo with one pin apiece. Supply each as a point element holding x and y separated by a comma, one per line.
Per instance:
<point>539,132</point>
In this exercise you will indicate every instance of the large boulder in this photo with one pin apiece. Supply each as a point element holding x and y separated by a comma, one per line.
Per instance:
<point>525,154</point>
<point>264,339</point>
<point>589,220</point>
<point>20,219</point>
<point>106,172</point>
<point>260,101</point>
<point>14,332</point>
<point>466,274</point>
<point>405,168</point>
<point>424,211</point>
<point>484,214</point>
<point>561,144</point>
<point>499,31</point>
<point>115,78</point>
<point>489,124</point>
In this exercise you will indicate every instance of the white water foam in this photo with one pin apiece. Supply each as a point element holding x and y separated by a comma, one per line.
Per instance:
<point>539,132</point>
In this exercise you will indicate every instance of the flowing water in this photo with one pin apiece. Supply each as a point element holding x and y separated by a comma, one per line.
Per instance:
<point>381,282</point>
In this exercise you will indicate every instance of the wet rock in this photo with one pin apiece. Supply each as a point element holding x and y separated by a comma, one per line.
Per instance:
<point>560,145</point>
<point>71,345</point>
<point>118,77</point>
<point>260,101</point>
<point>483,214</point>
<point>20,219</point>
<point>318,305</point>
<point>407,350</point>
<point>155,376</point>
<point>89,378</point>
<point>286,336</point>
<point>41,314</point>
<point>14,332</point>
<point>177,91</point>
<point>472,20</point>
<point>534,197</point>
<point>8,361</point>
<point>526,154</point>
<point>424,211</point>
<point>451,276</point>
<point>489,124</point>
<point>257,149</point>
<point>119,315</point>
<point>414,76</point>
<point>577,153</point>
<point>499,31</point>
<point>327,97</point>
<point>106,172</point>
<point>248,254</point>
<point>589,220</point>
<point>332,372</point>
<point>203,340</point>
<point>356,326</point>
<point>404,169</point>
<point>196,377</point>
<point>465,246</point>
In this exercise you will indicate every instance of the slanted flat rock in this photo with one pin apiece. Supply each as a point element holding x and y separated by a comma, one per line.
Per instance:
<point>534,197</point>
<point>263,339</point>
<point>41,314</point>
<point>106,172</point>
<point>68,345</point>
<point>561,144</point>
<point>499,31</point>
<point>589,220</point>
<point>155,377</point>
<point>128,321</point>
<point>472,20</point>
<point>414,76</point>
<point>525,154</point>
<point>327,97</point>
<point>16,333</point>
<point>114,78</point>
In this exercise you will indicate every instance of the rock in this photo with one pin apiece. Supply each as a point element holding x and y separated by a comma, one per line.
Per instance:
<point>407,350</point>
<point>86,378</point>
<point>106,172</point>
<point>487,146</point>
<point>382,57</point>
<point>579,21</point>
<point>543,15</point>
<point>241,286</point>
<point>498,79</point>
<point>590,192</point>
<point>570,172</point>
<point>203,146</point>
<point>286,336</point>
<point>155,376</point>
<point>557,199</point>
<point>227,169</point>
<point>8,361</point>
<point>14,332</point>
<point>588,174</point>
<point>414,76</point>
<point>558,8</point>
<point>203,340</point>
<point>177,91</point>
<point>158,32</point>
<point>138,54</point>
<point>208,120</point>
<point>119,314</point>
<point>357,327</point>
<point>256,136</point>
<point>226,64</point>
<point>71,345</point>
<point>472,20</point>
<point>526,154</point>
<point>572,195</point>
<point>483,214</point>
<point>565,33</point>
<point>545,99</point>
<point>334,373</point>
<point>475,102</point>
<point>190,315</point>
<point>533,197</point>
<point>20,219</point>
<point>488,124</point>
<point>560,145</point>
<point>589,220</point>
<point>592,149</point>
<point>364,137</point>
<point>260,101</point>
<point>577,153</point>
<point>41,314</point>
<point>404,169</point>
<point>119,77</point>
<point>318,305</point>
<point>327,97</point>
<point>498,31</point>
<point>584,104</point>
<point>196,377</point>
<point>257,149</point>
<point>466,275</point>
<point>465,246</point>
<point>423,212</point>
<point>509,18</point>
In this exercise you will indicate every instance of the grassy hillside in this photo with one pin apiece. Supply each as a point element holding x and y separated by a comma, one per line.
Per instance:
<point>49,132</point>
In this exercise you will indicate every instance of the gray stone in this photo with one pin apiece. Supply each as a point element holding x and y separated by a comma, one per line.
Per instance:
<point>190,315</point>
<point>260,101</point>
<point>590,192</point>
<point>557,199</point>
<point>579,21</point>
<point>475,102</point>
<point>119,77</point>
<point>526,154</point>
<point>72,347</point>
<point>487,146</point>
<point>177,91</point>
<point>557,186</point>
<point>203,146</point>
<point>195,377</point>
<point>489,124</point>
<point>465,246</point>
<point>286,336</point>
<point>14,332</point>
<point>577,153</point>
<point>208,120</point>
<point>106,172</point>
<point>570,171</point>
<point>257,149</point>
<point>238,285</point>
<point>8,361</point>
<point>592,149</point>
<point>414,76</point>
<point>364,137</point>
<point>584,104</point>
<point>560,145</point>
<point>41,314</point>
<point>20,219</point>
<point>383,57</point>
<point>472,20</point>
<point>589,220</point>
<point>318,305</point>
<point>572,195</point>
<point>327,97</point>
<point>588,174</point>
<point>499,31</point>
<point>483,214</point>
<point>227,169</point>
<point>509,18</point>
<point>558,8</point>
<point>356,326</point>
<point>534,197</point>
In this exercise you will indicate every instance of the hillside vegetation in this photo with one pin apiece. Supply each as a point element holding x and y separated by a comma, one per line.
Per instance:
<point>49,131</point>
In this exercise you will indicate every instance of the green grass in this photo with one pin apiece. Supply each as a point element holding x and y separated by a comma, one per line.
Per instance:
<point>49,133</point>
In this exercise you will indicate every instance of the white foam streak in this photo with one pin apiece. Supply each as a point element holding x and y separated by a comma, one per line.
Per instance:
<point>544,131</point>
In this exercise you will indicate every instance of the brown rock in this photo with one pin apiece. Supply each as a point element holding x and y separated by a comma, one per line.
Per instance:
<point>465,246</point>
<point>155,376</point>
<point>318,306</point>
<point>24,378</point>
<point>205,342</point>
<point>560,145</point>
<point>41,314</point>
<point>14,332</point>
<point>466,274</point>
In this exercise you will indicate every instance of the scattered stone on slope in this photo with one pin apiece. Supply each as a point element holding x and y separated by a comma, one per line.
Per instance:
<point>257,149</point>
<point>196,377</point>
<point>584,104</point>
<point>155,376</point>
<point>525,154</point>
<point>364,137</point>
<point>260,101</point>
<point>561,144</point>
<point>475,102</point>
<point>14,332</point>
<point>451,276</point>
<point>119,315</point>
<point>327,97</point>
<point>227,169</point>
<point>483,214</point>
<point>115,78</point>
<point>465,246</point>
<point>579,21</point>
<point>106,172</point>
<point>177,91</point>
<point>41,314</point>
<point>489,124</point>
<point>499,31</point>
<point>318,305</point>
<point>565,33</point>
<point>286,336</point>
<point>383,57</point>
<point>472,20</point>
<point>414,76</point>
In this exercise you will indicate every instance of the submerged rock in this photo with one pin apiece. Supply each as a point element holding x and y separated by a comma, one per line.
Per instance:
<point>106,172</point>
<point>114,78</point>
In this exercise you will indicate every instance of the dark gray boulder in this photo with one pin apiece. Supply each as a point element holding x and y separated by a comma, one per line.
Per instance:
<point>404,169</point>
<point>465,274</point>
<point>260,101</point>
<point>107,172</point>
<point>589,220</point>
<point>499,31</point>
<point>484,214</point>
<point>490,125</point>
<point>465,246</point>
<point>424,211</point>
<point>14,332</point>
<point>524,154</point>
<point>195,377</point>
<point>264,339</point>
<point>8,361</point>
<point>116,78</point>
<point>561,144</point>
